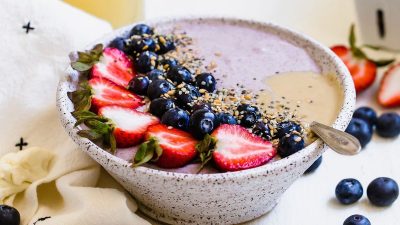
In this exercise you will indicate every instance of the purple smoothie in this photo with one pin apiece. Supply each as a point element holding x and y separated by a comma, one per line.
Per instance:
<point>243,55</point>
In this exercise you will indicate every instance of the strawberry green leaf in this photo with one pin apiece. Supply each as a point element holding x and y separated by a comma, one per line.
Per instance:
<point>356,51</point>
<point>205,148</point>
<point>84,57</point>
<point>82,97</point>
<point>87,59</point>
<point>90,134</point>
<point>145,152</point>
<point>383,62</point>
<point>81,66</point>
<point>352,38</point>
<point>99,128</point>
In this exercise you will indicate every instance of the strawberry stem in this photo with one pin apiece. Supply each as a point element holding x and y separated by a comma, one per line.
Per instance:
<point>87,59</point>
<point>148,151</point>
<point>205,149</point>
<point>100,128</point>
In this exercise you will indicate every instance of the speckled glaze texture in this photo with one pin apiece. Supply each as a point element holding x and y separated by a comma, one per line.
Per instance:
<point>221,198</point>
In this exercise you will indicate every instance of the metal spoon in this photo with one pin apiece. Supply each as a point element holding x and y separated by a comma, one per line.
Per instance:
<point>339,141</point>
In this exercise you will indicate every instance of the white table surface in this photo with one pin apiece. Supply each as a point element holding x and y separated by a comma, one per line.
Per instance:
<point>310,200</point>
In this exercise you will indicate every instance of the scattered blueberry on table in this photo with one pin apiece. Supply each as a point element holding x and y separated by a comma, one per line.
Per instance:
<point>383,191</point>
<point>388,125</point>
<point>314,166</point>
<point>9,215</point>
<point>360,129</point>
<point>348,191</point>
<point>367,114</point>
<point>357,220</point>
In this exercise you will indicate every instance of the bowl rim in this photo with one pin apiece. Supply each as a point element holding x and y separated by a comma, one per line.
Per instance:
<point>341,122</point>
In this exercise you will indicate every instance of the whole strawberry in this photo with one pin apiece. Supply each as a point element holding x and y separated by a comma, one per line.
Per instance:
<point>361,67</point>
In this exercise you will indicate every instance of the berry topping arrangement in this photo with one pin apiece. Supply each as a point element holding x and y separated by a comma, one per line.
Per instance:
<point>151,91</point>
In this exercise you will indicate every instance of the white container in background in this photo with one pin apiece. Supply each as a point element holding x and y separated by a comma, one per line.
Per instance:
<point>379,22</point>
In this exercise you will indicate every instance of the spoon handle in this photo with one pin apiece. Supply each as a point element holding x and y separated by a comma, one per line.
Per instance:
<point>339,141</point>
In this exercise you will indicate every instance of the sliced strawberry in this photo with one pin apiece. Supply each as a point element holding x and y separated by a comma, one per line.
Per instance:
<point>115,66</point>
<point>106,93</point>
<point>238,149</point>
<point>115,126</point>
<point>389,90</point>
<point>129,125</point>
<point>362,70</point>
<point>168,147</point>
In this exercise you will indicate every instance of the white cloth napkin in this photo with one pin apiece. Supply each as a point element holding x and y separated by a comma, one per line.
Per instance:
<point>54,179</point>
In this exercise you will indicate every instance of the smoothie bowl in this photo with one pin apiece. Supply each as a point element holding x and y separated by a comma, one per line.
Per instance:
<point>233,98</point>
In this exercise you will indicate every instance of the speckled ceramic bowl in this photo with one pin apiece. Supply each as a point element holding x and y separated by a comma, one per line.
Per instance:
<point>221,198</point>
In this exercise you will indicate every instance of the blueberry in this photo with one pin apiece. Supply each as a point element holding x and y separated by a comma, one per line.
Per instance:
<point>290,144</point>
<point>179,74</point>
<point>146,61</point>
<point>248,119</point>
<point>367,114</point>
<point>286,127</point>
<point>202,122</point>
<point>261,129</point>
<point>357,220</point>
<point>361,130</point>
<point>167,63</point>
<point>161,105</point>
<point>177,118</point>
<point>314,166</point>
<point>201,105</point>
<point>226,118</point>
<point>120,43</point>
<point>141,29</point>
<point>139,85</point>
<point>186,94</point>
<point>206,81</point>
<point>140,44</point>
<point>9,215</point>
<point>165,44</point>
<point>348,191</point>
<point>388,125</point>
<point>158,88</point>
<point>383,191</point>
<point>247,108</point>
<point>155,75</point>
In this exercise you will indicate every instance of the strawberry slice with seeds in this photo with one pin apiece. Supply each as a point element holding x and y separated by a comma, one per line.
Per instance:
<point>167,147</point>
<point>361,67</point>
<point>115,66</point>
<point>238,149</point>
<point>105,93</point>
<point>115,126</point>
<point>99,92</point>
<point>389,89</point>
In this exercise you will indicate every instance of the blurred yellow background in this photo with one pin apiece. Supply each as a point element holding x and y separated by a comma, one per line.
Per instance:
<point>117,12</point>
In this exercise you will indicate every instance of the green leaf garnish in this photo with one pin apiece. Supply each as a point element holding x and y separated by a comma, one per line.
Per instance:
<point>82,97</point>
<point>148,151</point>
<point>205,149</point>
<point>87,59</point>
<point>100,128</point>
<point>383,62</point>
<point>359,53</point>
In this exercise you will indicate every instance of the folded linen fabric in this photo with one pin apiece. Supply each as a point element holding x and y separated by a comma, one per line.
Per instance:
<point>55,183</point>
